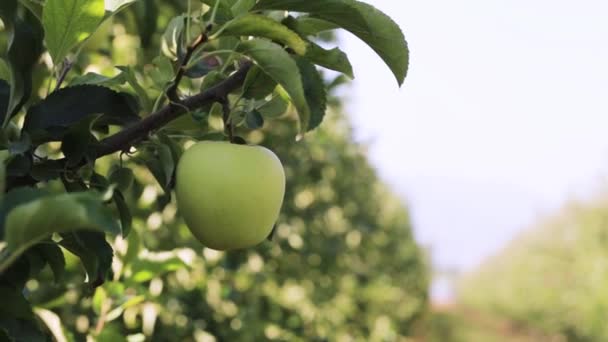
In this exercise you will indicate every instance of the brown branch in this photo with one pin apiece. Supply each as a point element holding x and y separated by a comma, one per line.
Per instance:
<point>131,135</point>
<point>200,40</point>
<point>123,140</point>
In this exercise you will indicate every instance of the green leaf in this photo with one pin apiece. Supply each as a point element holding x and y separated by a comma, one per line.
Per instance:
<point>161,165</point>
<point>328,10</point>
<point>29,223</point>
<point>262,26</point>
<point>223,13</point>
<point>99,80</point>
<point>142,95</point>
<point>308,26</point>
<point>242,7</point>
<point>212,79</point>
<point>126,220</point>
<point>25,35</point>
<point>162,74</point>
<point>237,117</point>
<point>35,6</point>
<point>78,142</point>
<point>53,255</point>
<point>155,167</point>
<point>274,108</point>
<point>16,198</point>
<point>333,59</point>
<point>133,247</point>
<point>94,252</point>
<point>175,148</point>
<point>258,84</point>
<point>279,65</point>
<point>122,177</point>
<point>69,22</point>
<point>165,155</point>
<point>50,119</point>
<point>372,26</point>
<point>172,43</point>
<point>35,260</point>
<point>254,120</point>
<point>314,89</point>
<point>5,74</point>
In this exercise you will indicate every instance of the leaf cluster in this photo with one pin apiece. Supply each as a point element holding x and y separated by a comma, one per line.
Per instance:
<point>92,92</point>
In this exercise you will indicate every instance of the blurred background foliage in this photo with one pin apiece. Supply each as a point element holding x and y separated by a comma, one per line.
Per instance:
<point>552,279</point>
<point>342,264</point>
<point>549,284</point>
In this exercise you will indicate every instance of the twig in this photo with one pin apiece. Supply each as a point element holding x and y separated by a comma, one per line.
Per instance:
<point>65,69</point>
<point>200,40</point>
<point>124,139</point>
<point>129,136</point>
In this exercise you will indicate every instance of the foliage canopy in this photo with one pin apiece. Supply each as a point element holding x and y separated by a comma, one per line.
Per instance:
<point>98,99</point>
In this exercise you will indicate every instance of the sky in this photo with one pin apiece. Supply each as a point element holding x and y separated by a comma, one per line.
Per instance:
<point>502,119</point>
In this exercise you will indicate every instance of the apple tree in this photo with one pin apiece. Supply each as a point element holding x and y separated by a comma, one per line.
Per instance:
<point>99,100</point>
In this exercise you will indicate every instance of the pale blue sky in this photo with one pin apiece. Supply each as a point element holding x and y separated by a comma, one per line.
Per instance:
<point>503,117</point>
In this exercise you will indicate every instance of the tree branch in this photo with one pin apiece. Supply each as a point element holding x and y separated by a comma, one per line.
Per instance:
<point>126,138</point>
<point>129,136</point>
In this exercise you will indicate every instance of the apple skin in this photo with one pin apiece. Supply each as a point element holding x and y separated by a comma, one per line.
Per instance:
<point>229,195</point>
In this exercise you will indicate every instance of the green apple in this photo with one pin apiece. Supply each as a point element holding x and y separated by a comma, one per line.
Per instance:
<point>229,195</point>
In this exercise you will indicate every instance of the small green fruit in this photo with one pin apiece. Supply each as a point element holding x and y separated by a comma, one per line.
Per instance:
<point>229,195</point>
